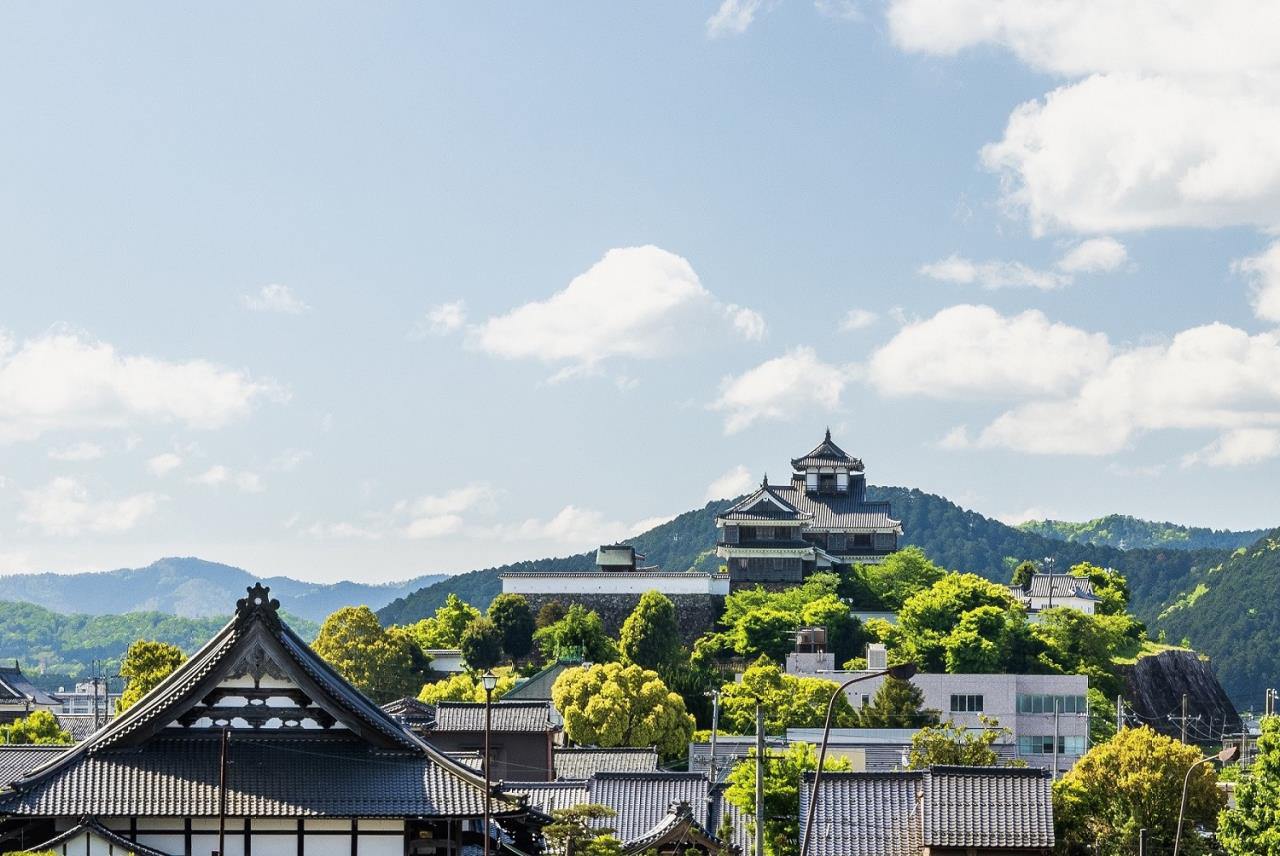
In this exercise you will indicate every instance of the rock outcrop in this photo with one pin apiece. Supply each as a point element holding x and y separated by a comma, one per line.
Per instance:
<point>1154,687</point>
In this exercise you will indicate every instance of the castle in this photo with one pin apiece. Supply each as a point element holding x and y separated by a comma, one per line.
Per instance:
<point>778,535</point>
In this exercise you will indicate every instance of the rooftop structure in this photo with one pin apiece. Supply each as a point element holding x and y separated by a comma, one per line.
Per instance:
<point>820,520</point>
<point>1049,591</point>
<point>583,762</point>
<point>18,696</point>
<point>522,733</point>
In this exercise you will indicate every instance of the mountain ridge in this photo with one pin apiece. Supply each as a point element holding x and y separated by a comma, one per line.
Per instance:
<point>1127,532</point>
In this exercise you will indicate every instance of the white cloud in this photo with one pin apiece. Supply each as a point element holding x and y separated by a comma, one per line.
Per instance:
<point>1017,518</point>
<point>164,463</point>
<point>82,451</point>
<point>218,475</point>
<point>341,530</point>
<point>635,303</point>
<point>734,482</point>
<point>993,274</point>
<point>1263,272</point>
<point>1237,448</point>
<point>64,507</point>
<point>642,526</point>
<point>975,352</point>
<point>445,318</point>
<point>733,17</point>
<point>857,319</point>
<point>575,527</point>
<point>275,298</point>
<point>433,526</point>
<point>956,438</point>
<point>1215,376</point>
<point>1095,255</point>
<point>63,381</point>
<point>1169,117</point>
<point>214,476</point>
<point>289,459</point>
<point>248,482</point>
<point>792,385</point>
<point>442,514</point>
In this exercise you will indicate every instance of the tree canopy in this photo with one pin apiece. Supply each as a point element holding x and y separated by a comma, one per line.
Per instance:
<point>898,577</point>
<point>510,613</point>
<point>146,664</point>
<point>788,701</point>
<point>465,686</point>
<point>40,727</point>
<point>896,704</point>
<point>379,664</point>
<point>949,743</point>
<point>481,644</point>
<point>580,631</point>
<point>1252,828</point>
<point>576,831</point>
<point>611,704</point>
<point>651,634</point>
<point>759,622</point>
<point>782,773</point>
<point>444,629</point>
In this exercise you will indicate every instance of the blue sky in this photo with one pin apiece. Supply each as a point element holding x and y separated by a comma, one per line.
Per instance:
<point>370,292</point>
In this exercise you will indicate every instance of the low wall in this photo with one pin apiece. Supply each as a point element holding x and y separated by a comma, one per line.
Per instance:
<point>696,613</point>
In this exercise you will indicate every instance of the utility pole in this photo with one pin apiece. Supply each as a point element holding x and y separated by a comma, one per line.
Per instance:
<point>1142,842</point>
<point>760,815</point>
<point>1184,717</point>
<point>715,728</point>
<point>222,791</point>
<point>1119,714</point>
<point>1056,706</point>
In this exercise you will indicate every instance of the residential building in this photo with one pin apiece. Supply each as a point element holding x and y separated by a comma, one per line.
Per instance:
<point>522,734</point>
<point>1047,715</point>
<point>730,749</point>
<point>255,746</point>
<point>878,750</point>
<point>820,520</point>
<point>1048,591</point>
<point>942,811</point>
<point>88,698</point>
<point>19,697</point>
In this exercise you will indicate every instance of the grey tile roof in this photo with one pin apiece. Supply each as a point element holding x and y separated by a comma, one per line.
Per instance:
<point>90,826</point>
<point>16,760</point>
<point>582,763</point>
<point>14,686</point>
<point>769,502</point>
<point>896,814</point>
<point>641,799</point>
<point>1062,585</point>
<point>79,725</point>
<point>820,511</point>
<point>267,776</point>
<point>827,454</point>
<point>547,797</point>
<point>538,687</point>
<point>864,814</point>
<point>506,716</point>
<point>988,807</point>
<point>410,711</point>
<point>681,828</point>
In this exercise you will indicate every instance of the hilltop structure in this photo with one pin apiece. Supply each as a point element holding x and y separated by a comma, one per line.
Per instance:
<point>1050,591</point>
<point>255,745</point>
<point>821,520</point>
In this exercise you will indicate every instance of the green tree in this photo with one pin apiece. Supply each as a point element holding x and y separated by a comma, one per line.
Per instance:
<point>1132,782</point>
<point>514,620</point>
<point>580,631</point>
<point>378,664</point>
<point>145,665</point>
<point>899,576</point>
<point>444,629</point>
<point>767,631</point>
<point>481,645</point>
<point>949,743</point>
<point>896,704</point>
<point>991,639</point>
<point>551,612</point>
<point>1023,573</point>
<point>1109,585</point>
<point>1077,643</point>
<point>782,775</point>
<point>928,617</point>
<point>39,727</point>
<point>576,831</point>
<point>609,704</point>
<point>651,634</point>
<point>788,701</point>
<point>465,686</point>
<point>1252,828</point>
<point>1102,717</point>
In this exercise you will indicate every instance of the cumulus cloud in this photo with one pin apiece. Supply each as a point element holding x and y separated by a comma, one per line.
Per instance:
<point>164,463</point>
<point>735,482</point>
<point>1095,255</point>
<point>274,298</point>
<point>794,384</point>
<point>289,460</point>
<point>1263,272</point>
<point>65,507</point>
<point>635,303</point>
<point>575,527</point>
<point>975,352</point>
<point>218,475</point>
<point>64,381</point>
<point>1167,118</point>
<point>1237,448</point>
<point>445,318</point>
<point>442,514</point>
<point>1214,376</point>
<point>733,17</point>
<point>82,451</point>
<point>857,319</point>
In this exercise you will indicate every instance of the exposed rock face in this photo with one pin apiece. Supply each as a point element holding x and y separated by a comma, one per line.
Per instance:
<point>697,613</point>
<point>1154,687</point>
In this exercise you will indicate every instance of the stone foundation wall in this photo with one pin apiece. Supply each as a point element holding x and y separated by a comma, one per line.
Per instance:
<point>696,613</point>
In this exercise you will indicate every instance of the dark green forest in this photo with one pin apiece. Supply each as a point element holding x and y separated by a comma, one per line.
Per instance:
<point>1129,533</point>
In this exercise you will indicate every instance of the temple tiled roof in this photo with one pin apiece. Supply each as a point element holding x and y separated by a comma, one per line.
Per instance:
<point>1062,585</point>
<point>827,454</point>
<point>821,511</point>
<point>15,687</point>
<point>896,814</point>
<point>547,797</point>
<point>410,711</point>
<point>79,725</point>
<point>505,716</point>
<point>17,760</point>
<point>642,799</point>
<point>679,827</point>
<point>769,502</point>
<point>582,763</point>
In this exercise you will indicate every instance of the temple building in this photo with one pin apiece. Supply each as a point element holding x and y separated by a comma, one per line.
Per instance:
<point>255,746</point>
<point>821,520</point>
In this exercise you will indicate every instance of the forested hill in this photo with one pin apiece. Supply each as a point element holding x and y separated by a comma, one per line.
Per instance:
<point>193,588</point>
<point>950,535</point>
<point>1125,532</point>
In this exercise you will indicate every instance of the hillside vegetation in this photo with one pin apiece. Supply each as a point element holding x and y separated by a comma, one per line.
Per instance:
<point>1128,533</point>
<point>193,588</point>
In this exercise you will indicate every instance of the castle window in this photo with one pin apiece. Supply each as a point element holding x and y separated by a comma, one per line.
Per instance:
<point>842,482</point>
<point>811,480</point>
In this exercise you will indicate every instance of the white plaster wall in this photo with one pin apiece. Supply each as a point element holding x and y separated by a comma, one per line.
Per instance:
<point>321,845</point>
<point>614,584</point>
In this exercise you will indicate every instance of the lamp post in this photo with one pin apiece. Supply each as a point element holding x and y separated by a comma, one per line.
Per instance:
<point>901,672</point>
<point>489,680</point>
<point>1226,756</point>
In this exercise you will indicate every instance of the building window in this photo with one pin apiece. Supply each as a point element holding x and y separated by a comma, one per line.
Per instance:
<point>1047,703</point>
<point>842,482</point>
<point>966,704</point>
<point>862,540</point>
<point>836,541</point>
<point>1042,744</point>
<point>764,533</point>
<point>811,480</point>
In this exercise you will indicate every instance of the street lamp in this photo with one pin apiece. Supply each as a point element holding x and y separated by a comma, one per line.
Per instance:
<point>1226,756</point>
<point>488,680</point>
<point>901,672</point>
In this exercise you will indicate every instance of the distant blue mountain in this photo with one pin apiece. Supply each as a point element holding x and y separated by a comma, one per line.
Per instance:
<point>193,588</point>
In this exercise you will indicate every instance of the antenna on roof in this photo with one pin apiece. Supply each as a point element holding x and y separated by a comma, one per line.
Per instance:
<point>764,482</point>
<point>828,437</point>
